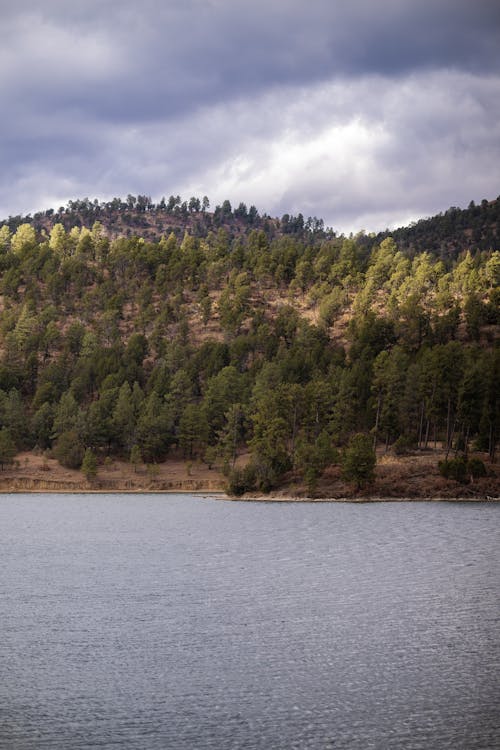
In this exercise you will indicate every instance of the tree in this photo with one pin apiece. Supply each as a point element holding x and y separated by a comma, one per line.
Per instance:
<point>193,430</point>
<point>69,450</point>
<point>4,238</point>
<point>154,428</point>
<point>89,464</point>
<point>24,238</point>
<point>135,457</point>
<point>359,461</point>
<point>41,425</point>
<point>222,390</point>
<point>125,417</point>
<point>66,414</point>
<point>231,433</point>
<point>7,447</point>
<point>15,419</point>
<point>58,239</point>
<point>312,458</point>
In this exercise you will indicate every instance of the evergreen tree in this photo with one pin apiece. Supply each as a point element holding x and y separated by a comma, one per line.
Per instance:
<point>7,448</point>
<point>359,461</point>
<point>89,465</point>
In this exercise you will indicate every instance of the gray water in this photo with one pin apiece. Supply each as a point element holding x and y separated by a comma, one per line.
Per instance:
<point>154,622</point>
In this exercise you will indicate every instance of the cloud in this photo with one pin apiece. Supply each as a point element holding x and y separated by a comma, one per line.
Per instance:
<point>363,113</point>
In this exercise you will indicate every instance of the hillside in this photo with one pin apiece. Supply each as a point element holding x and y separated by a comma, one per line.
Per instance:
<point>261,347</point>
<point>139,216</point>
<point>448,234</point>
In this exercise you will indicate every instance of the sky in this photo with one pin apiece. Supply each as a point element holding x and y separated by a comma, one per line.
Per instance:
<point>366,114</point>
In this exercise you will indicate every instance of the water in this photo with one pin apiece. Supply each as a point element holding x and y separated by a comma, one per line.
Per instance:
<point>154,622</point>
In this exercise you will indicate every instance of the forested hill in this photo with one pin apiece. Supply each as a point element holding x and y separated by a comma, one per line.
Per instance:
<point>239,334</point>
<point>445,235</point>
<point>448,234</point>
<point>140,216</point>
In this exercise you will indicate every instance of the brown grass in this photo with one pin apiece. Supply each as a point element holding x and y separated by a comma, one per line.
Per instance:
<point>407,477</point>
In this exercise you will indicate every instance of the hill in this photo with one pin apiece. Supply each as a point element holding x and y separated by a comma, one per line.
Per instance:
<point>448,234</point>
<point>263,347</point>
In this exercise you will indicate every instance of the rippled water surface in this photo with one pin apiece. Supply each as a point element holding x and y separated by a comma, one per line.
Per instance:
<point>182,622</point>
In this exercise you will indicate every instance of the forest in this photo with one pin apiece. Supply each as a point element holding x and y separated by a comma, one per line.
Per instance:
<point>140,331</point>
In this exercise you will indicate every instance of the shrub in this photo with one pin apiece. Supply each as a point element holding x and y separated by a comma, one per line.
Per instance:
<point>135,457</point>
<point>476,468</point>
<point>89,464</point>
<point>241,480</point>
<point>359,460</point>
<point>69,450</point>
<point>403,445</point>
<point>454,468</point>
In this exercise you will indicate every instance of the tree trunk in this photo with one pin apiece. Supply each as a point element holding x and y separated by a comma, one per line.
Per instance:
<point>421,427</point>
<point>450,442</point>
<point>448,425</point>
<point>377,418</point>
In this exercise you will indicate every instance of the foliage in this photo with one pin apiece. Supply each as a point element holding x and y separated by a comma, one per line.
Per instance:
<point>454,468</point>
<point>135,457</point>
<point>89,464</point>
<point>462,470</point>
<point>7,447</point>
<point>359,460</point>
<point>476,468</point>
<point>141,329</point>
<point>69,450</point>
<point>242,480</point>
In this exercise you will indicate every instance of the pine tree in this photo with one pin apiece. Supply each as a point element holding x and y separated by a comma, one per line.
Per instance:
<point>7,447</point>
<point>359,460</point>
<point>89,464</point>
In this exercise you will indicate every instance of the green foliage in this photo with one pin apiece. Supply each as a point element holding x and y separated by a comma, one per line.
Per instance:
<point>193,431</point>
<point>462,470</point>
<point>403,445</point>
<point>154,428</point>
<point>69,449</point>
<point>7,448</point>
<point>195,331</point>
<point>476,468</point>
<point>23,239</point>
<point>89,464</point>
<point>455,468</point>
<point>135,457</point>
<point>242,480</point>
<point>359,460</point>
<point>313,456</point>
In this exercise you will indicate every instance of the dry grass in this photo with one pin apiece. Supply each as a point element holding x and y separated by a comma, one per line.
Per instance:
<point>32,471</point>
<point>415,476</point>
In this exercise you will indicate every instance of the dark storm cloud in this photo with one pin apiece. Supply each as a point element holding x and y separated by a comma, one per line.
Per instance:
<point>146,60</point>
<point>110,96</point>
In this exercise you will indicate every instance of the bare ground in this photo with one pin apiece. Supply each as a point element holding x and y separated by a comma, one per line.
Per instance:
<point>407,477</point>
<point>35,473</point>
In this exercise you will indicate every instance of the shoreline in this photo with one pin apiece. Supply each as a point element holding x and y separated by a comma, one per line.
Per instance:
<point>412,478</point>
<point>220,494</point>
<point>366,499</point>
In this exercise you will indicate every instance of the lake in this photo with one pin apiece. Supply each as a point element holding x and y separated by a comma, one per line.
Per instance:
<point>155,622</point>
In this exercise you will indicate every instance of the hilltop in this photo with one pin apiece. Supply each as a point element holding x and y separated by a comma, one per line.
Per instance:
<point>268,349</point>
<point>445,235</point>
<point>140,216</point>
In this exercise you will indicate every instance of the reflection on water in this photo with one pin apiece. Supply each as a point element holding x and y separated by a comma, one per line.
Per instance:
<point>181,622</point>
